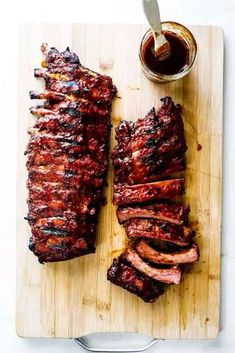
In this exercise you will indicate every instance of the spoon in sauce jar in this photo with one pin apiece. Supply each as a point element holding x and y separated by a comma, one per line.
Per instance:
<point>161,46</point>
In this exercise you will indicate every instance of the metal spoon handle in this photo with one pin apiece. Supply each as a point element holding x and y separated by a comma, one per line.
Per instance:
<point>152,13</point>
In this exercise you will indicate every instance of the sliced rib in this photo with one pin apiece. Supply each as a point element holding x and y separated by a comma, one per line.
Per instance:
<point>171,275</point>
<point>127,277</point>
<point>165,211</point>
<point>155,229</point>
<point>181,257</point>
<point>128,194</point>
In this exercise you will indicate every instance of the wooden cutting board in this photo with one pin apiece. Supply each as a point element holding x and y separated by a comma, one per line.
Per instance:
<point>73,298</point>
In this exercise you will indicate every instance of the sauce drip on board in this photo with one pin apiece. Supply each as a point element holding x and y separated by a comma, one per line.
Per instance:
<point>175,63</point>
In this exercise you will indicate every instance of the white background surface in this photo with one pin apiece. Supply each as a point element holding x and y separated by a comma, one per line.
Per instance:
<point>130,11</point>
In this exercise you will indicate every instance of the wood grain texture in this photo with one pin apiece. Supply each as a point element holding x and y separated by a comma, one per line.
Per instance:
<point>73,298</point>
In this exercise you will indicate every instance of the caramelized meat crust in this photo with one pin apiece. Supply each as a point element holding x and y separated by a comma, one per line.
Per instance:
<point>67,156</point>
<point>151,148</point>
<point>147,160</point>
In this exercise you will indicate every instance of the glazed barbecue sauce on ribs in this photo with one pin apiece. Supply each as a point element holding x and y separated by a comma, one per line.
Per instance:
<point>176,61</point>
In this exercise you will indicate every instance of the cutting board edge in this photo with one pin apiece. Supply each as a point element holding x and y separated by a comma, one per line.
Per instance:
<point>214,336</point>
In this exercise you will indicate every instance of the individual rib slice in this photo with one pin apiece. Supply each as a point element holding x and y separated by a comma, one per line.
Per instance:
<point>171,275</point>
<point>161,230</point>
<point>181,257</point>
<point>165,211</point>
<point>127,277</point>
<point>129,194</point>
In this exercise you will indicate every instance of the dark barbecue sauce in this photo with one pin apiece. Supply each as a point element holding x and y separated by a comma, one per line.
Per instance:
<point>176,61</point>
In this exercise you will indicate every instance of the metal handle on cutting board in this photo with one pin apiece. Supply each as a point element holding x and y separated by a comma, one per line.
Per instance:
<point>116,342</point>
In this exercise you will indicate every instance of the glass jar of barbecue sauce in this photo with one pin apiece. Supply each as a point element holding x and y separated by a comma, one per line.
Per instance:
<point>183,54</point>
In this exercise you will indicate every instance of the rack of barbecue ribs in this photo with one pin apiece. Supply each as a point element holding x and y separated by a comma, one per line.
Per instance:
<point>67,156</point>
<point>148,153</point>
